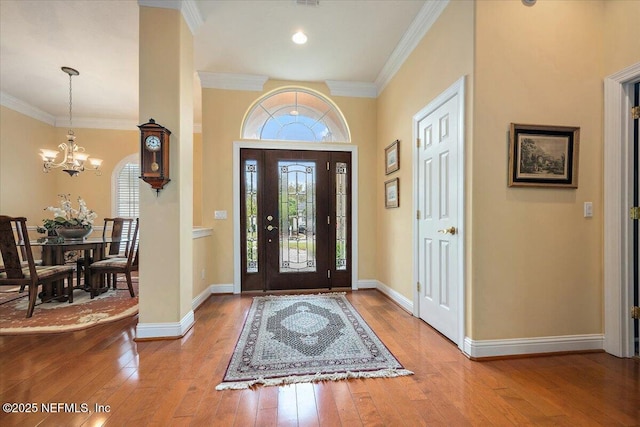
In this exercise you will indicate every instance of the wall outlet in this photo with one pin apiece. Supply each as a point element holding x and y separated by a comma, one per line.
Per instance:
<point>220,215</point>
<point>588,209</point>
<point>202,274</point>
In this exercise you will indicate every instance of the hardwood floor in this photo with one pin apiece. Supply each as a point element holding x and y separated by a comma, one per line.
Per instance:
<point>161,383</point>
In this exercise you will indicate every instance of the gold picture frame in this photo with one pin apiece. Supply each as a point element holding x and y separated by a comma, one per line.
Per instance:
<point>392,193</point>
<point>392,157</point>
<point>543,156</point>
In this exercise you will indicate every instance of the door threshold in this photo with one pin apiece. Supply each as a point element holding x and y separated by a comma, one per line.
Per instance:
<point>297,291</point>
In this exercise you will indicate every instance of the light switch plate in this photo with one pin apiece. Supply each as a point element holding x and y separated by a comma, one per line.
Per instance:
<point>588,209</point>
<point>220,214</point>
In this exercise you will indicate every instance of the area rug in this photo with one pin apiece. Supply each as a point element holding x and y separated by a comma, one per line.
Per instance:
<point>304,338</point>
<point>53,317</point>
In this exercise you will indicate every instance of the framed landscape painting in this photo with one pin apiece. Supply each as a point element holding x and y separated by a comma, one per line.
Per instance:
<point>392,157</point>
<point>392,193</point>
<point>543,156</point>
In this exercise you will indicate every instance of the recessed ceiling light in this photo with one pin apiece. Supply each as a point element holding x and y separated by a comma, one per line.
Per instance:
<point>299,38</point>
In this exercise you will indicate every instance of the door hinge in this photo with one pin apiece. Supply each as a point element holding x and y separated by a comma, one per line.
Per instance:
<point>635,312</point>
<point>328,274</point>
<point>328,220</point>
<point>418,286</point>
<point>634,212</point>
<point>328,166</point>
<point>417,142</point>
<point>418,214</point>
<point>635,112</point>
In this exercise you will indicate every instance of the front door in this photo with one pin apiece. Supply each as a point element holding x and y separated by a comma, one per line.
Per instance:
<point>438,254</point>
<point>295,219</point>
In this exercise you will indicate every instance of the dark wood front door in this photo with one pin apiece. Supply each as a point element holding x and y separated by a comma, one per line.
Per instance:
<point>295,219</point>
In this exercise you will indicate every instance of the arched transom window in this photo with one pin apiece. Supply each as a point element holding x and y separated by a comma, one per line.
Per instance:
<point>295,114</point>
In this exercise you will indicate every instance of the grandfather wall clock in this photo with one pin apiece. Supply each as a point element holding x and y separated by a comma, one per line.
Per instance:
<point>154,154</point>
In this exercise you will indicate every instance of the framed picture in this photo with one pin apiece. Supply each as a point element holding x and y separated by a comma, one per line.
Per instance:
<point>392,157</point>
<point>543,156</point>
<point>392,193</point>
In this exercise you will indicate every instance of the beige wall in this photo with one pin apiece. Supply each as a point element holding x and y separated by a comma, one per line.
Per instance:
<point>621,39</point>
<point>441,58</point>
<point>24,189</point>
<point>223,111</point>
<point>542,275</point>
<point>534,264</point>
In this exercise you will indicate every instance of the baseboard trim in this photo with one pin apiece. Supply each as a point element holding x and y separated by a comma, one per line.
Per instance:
<point>171,330</point>
<point>394,295</point>
<point>367,284</point>
<point>221,289</point>
<point>478,349</point>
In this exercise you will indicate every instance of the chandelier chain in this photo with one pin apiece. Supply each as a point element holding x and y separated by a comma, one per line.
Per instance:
<point>70,104</point>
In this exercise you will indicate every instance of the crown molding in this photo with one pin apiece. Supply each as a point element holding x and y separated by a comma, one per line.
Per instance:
<point>232,81</point>
<point>188,8</point>
<point>354,89</point>
<point>97,123</point>
<point>416,31</point>
<point>20,106</point>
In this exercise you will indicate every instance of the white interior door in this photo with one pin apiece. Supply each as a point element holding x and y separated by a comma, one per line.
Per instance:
<point>439,244</point>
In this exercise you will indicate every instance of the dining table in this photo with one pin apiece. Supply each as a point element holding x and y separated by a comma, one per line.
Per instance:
<point>55,248</point>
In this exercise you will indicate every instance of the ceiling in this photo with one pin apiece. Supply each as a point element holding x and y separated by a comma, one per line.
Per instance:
<point>349,41</point>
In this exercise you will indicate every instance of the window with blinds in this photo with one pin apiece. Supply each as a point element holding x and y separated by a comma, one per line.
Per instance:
<point>127,191</point>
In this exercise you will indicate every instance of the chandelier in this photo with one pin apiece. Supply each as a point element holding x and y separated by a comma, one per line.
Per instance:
<point>75,157</point>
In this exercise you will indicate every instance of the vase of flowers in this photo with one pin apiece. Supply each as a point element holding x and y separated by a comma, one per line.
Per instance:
<point>68,222</point>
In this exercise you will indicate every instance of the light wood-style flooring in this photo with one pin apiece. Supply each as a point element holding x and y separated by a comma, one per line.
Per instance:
<point>172,382</point>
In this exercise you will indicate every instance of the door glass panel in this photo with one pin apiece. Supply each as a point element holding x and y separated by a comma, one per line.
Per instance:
<point>341,216</point>
<point>251,198</point>
<point>297,212</point>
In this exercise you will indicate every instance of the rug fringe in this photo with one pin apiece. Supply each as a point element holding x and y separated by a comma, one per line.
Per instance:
<point>382,373</point>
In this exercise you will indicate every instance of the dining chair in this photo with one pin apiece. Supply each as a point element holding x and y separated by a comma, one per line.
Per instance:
<point>16,274</point>
<point>23,253</point>
<point>114,266</point>
<point>120,228</point>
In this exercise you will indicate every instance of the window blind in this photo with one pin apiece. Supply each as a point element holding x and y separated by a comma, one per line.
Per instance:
<point>127,191</point>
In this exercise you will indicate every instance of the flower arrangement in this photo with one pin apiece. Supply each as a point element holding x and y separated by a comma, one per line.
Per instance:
<point>67,217</point>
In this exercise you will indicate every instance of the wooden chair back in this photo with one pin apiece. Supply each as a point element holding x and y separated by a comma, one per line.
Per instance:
<point>132,256</point>
<point>12,248</point>
<point>119,227</point>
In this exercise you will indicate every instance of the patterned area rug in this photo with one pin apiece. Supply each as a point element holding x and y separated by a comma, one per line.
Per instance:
<point>301,338</point>
<point>52,317</point>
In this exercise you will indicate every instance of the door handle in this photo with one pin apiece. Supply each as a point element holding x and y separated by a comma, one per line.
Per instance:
<point>451,230</point>
<point>271,227</point>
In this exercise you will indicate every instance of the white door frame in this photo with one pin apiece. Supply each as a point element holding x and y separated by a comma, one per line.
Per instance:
<point>289,145</point>
<point>455,89</point>
<point>618,292</point>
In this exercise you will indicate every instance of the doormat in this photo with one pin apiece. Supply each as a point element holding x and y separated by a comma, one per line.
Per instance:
<point>55,317</point>
<point>305,338</point>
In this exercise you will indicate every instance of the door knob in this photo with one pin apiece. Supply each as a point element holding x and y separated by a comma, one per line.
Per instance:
<point>271,227</point>
<point>450,230</point>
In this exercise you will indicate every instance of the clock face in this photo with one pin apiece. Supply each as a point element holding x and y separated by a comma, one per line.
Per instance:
<point>152,143</point>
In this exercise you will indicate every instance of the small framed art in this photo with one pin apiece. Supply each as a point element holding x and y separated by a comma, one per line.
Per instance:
<point>392,157</point>
<point>392,193</point>
<point>543,156</point>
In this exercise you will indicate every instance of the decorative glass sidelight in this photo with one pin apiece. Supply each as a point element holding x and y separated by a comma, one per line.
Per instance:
<point>297,213</point>
<point>341,216</point>
<point>251,198</point>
